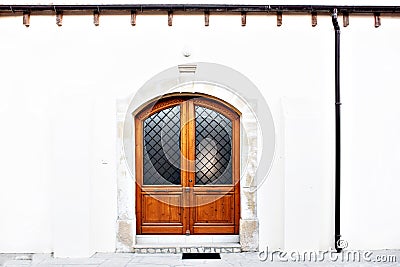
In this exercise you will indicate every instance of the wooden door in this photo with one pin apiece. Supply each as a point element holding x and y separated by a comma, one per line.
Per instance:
<point>187,166</point>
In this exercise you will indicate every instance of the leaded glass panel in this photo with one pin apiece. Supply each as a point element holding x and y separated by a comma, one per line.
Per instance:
<point>213,147</point>
<point>161,150</point>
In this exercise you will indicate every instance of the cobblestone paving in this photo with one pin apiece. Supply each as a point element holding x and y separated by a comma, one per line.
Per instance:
<point>175,260</point>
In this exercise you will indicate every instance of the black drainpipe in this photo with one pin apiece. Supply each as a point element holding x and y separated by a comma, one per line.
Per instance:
<point>337,130</point>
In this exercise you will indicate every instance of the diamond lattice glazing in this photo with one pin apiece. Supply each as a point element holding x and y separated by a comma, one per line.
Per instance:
<point>213,147</point>
<point>161,151</point>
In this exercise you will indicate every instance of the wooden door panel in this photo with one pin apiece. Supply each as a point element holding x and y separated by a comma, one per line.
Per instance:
<point>162,209</point>
<point>213,208</point>
<point>213,230</point>
<point>162,213</point>
<point>213,212</point>
<point>162,230</point>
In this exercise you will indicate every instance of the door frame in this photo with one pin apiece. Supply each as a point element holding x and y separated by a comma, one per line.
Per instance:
<point>187,101</point>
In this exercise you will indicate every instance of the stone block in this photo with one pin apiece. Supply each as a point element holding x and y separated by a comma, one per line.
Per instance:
<point>124,236</point>
<point>249,235</point>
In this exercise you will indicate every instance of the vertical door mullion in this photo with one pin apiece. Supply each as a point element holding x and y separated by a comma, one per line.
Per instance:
<point>192,160</point>
<point>191,144</point>
<point>184,167</point>
<point>188,150</point>
<point>183,141</point>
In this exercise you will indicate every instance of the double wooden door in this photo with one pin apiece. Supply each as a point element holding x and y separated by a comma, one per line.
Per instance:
<point>187,166</point>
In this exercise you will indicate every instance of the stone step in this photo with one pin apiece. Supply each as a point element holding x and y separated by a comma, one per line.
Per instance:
<point>187,248</point>
<point>186,239</point>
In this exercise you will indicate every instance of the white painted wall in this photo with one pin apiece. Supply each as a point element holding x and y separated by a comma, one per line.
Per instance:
<point>371,151</point>
<point>58,97</point>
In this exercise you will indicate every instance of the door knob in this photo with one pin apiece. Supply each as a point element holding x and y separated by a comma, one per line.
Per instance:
<point>190,181</point>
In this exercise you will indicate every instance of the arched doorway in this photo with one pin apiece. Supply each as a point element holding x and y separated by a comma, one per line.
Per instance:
<point>257,145</point>
<point>187,166</point>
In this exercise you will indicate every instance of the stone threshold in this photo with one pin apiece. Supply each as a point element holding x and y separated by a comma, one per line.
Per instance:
<point>187,248</point>
<point>185,239</point>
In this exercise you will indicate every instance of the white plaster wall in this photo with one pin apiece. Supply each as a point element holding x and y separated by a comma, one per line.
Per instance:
<point>371,150</point>
<point>25,184</point>
<point>299,87</point>
<point>58,96</point>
